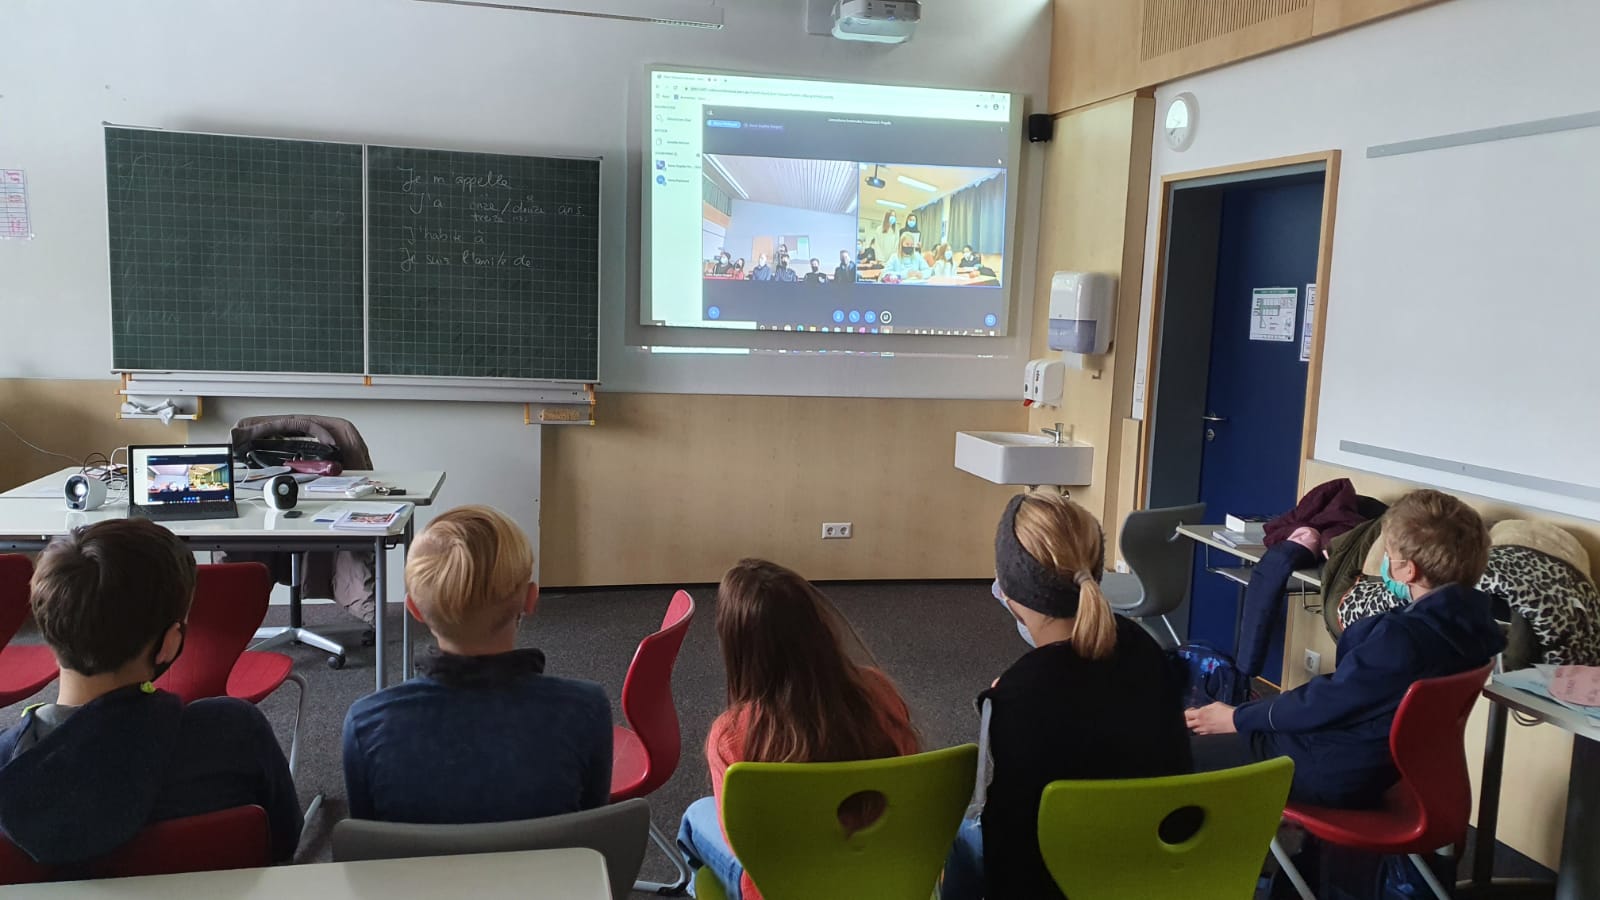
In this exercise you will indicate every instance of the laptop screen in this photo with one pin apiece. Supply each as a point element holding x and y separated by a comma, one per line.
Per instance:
<point>170,477</point>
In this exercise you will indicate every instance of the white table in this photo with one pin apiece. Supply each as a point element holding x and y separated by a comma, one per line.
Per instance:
<point>29,522</point>
<point>1579,875</point>
<point>567,874</point>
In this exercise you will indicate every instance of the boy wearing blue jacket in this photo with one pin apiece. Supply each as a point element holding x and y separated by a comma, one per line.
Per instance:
<point>1336,727</point>
<point>81,776</point>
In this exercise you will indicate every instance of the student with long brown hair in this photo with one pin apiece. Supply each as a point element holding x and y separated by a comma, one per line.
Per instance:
<point>1096,698</point>
<point>794,695</point>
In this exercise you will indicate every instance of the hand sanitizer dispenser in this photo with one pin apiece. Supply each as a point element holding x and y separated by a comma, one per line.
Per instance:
<point>1082,306</point>
<point>1042,382</point>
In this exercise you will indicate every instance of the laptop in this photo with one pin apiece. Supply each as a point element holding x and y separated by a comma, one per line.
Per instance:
<point>181,481</point>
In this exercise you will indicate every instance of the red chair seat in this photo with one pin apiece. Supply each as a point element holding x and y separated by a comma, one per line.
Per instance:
<point>630,764</point>
<point>24,671</point>
<point>258,673</point>
<point>1397,828</point>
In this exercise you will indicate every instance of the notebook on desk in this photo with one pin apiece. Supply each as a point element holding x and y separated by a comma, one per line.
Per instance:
<point>181,481</point>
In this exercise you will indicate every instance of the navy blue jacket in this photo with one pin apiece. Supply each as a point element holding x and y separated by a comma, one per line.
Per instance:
<point>478,739</point>
<point>1336,727</point>
<point>129,758</point>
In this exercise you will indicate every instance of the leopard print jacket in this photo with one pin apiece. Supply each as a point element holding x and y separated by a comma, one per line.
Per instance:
<point>1561,605</point>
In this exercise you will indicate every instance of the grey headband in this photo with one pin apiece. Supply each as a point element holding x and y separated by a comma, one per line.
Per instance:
<point>1026,580</point>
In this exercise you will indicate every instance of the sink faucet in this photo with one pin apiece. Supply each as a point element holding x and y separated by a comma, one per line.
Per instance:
<point>1058,433</point>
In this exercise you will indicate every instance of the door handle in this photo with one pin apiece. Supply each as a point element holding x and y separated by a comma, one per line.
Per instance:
<point>1211,418</point>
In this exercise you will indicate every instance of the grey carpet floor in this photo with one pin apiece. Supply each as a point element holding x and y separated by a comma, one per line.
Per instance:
<point>942,642</point>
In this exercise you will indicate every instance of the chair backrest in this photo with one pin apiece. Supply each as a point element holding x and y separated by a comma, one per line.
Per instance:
<point>618,832</point>
<point>230,602</point>
<point>1199,836</point>
<point>1428,743</point>
<point>647,693</point>
<point>783,822</point>
<point>236,838</point>
<point>1161,559</point>
<point>15,572</point>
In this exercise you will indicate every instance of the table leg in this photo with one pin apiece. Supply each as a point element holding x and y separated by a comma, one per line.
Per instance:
<point>381,571</point>
<point>406,667</point>
<point>1494,759</point>
<point>1579,878</point>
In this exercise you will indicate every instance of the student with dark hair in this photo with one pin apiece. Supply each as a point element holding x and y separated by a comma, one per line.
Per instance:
<point>815,276</point>
<point>970,261</point>
<point>794,695</point>
<point>81,776</point>
<point>784,273</point>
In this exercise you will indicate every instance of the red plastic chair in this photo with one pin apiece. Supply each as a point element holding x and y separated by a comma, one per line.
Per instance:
<point>236,838</point>
<point>24,668</point>
<point>644,755</point>
<point>230,603</point>
<point>1429,807</point>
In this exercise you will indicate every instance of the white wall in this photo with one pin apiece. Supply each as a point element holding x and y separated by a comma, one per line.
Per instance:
<point>421,74</point>
<point>1460,301</point>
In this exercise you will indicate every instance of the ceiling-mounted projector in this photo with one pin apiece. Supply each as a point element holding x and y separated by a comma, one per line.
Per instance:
<point>877,21</point>
<point>874,181</point>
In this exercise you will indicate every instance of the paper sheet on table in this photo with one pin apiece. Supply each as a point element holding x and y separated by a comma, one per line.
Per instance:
<point>1536,680</point>
<point>1576,685</point>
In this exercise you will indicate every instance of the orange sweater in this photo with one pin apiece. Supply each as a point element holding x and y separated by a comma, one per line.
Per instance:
<point>725,743</point>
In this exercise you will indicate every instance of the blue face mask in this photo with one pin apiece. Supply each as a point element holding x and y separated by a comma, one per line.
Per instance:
<point>1021,628</point>
<point>1401,592</point>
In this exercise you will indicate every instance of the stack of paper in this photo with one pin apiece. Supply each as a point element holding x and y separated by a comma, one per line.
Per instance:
<point>334,484</point>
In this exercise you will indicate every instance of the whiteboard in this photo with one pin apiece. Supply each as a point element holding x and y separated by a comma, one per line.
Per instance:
<point>1477,268</point>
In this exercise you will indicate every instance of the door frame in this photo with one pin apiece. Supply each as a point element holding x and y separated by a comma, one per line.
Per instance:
<point>1265,167</point>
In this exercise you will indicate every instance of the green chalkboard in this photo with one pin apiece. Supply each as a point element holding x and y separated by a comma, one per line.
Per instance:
<point>483,265</point>
<point>234,254</point>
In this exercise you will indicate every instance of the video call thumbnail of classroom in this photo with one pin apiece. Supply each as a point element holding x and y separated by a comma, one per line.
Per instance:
<point>827,207</point>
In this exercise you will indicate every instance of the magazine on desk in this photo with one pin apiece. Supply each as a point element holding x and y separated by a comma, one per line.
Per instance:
<point>361,516</point>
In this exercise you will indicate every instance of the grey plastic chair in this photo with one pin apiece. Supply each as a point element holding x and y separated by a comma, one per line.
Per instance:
<point>1162,564</point>
<point>617,831</point>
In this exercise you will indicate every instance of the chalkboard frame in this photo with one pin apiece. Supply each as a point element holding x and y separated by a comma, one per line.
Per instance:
<point>338,379</point>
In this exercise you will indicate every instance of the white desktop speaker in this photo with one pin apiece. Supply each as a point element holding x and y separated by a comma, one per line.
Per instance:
<point>83,492</point>
<point>281,492</point>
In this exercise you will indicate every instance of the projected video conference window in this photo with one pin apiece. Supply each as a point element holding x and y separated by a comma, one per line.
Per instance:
<point>789,205</point>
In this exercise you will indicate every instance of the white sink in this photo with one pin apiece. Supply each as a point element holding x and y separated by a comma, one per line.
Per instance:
<point>1009,457</point>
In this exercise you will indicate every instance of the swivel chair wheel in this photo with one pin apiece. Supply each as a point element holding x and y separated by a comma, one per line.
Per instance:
<point>336,661</point>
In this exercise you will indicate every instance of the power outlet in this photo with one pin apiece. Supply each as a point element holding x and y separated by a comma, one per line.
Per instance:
<point>835,531</point>
<point>1313,662</point>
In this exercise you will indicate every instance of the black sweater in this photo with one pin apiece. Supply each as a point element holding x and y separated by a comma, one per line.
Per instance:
<point>1059,716</point>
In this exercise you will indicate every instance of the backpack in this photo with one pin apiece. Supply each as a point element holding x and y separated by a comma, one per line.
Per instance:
<point>1209,676</point>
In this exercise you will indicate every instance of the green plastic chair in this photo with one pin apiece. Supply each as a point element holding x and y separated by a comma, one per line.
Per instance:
<point>782,820</point>
<point>1102,840</point>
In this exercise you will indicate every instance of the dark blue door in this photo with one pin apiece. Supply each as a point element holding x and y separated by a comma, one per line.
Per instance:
<point>1256,388</point>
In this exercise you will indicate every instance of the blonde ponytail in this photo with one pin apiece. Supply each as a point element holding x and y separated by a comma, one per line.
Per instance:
<point>1094,631</point>
<point>1063,535</point>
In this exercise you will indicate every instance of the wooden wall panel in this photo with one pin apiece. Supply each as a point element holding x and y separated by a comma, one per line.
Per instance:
<point>74,417</point>
<point>1096,193</point>
<point>675,488</point>
<point>1534,793</point>
<point>1106,48</point>
<point>1334,15</point>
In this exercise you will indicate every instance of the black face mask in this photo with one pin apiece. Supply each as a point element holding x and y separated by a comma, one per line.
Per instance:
<point>905,251</point>
<point>162,667</point>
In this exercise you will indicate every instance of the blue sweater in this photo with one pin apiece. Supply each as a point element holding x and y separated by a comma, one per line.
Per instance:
<point>1336,727</point>
<point>478,739</point>
<point>128,759</point>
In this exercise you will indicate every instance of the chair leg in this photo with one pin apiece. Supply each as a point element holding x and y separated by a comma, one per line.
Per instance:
<point>1439,890</point>
<point>1176,641</point>
<point>675,856</point>
<point>299,710</point>
<point>1291,870</point>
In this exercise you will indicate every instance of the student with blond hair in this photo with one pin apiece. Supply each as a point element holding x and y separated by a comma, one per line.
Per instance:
<point>1095,698</point>
<point>482,735</point>
<point>1336,727</point>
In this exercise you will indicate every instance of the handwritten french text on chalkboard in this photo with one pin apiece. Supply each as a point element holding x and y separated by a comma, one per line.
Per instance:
<point>483,264</point>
